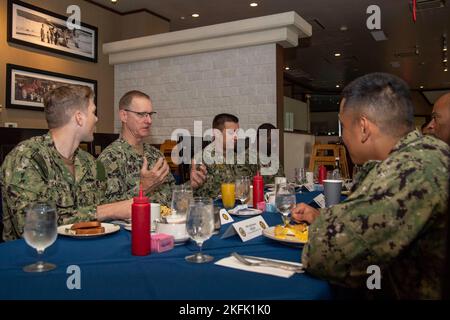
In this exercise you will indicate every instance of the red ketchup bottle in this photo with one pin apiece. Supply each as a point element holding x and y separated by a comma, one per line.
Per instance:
<point>140,229</point>
<point>322,173</point>
<point>258,191</point>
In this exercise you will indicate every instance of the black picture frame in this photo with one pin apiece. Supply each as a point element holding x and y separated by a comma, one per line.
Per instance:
<point>26,86</point>
<point>41,29</point>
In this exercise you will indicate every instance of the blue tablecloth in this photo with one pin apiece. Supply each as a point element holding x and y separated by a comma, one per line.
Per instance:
<point>109,271</point>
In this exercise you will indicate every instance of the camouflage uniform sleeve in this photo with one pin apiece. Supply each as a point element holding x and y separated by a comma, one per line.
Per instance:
<point>217,173</point>
<point>22,184</point>
<point>246,170</point>
<point>25,180</point>
<point>211,186</point>
<point>383,216</point>
<point>89,194</point>
<point>114,162</point>
<point>162,194</point>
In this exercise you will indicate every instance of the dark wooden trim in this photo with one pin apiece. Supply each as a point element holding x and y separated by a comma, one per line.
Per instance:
<point>323,111</point>
<point>128,12</point>
<point>11,39</point>
<point>424,96</point>
<point>280,97</point>
<point>11,67</point>
<point>299,132</point>
<point>310,89</point>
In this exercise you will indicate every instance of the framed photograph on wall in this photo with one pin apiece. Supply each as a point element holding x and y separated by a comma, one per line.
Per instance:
<point>25,87</point>
<point>35,27</point>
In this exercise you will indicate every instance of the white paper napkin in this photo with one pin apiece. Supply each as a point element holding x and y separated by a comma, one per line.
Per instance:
<point>232,262</point>
<point>238,208</point>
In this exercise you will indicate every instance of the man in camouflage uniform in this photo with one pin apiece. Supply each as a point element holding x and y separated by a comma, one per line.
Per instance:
<point>439,125</point>
<point>219,168</point>
<point>52,168</point>
<point>395,217</point>
<point>127,160</point>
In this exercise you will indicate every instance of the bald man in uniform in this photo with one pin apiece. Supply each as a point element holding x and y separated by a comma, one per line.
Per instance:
<point>440,118</point>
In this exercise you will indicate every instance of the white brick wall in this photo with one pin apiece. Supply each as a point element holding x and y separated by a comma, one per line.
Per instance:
<point>197,87</point>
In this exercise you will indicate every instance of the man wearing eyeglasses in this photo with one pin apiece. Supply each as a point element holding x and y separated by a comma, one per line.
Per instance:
<point>129,160</point>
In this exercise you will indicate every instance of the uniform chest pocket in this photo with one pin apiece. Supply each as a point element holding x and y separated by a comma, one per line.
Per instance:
<point>60,193</point>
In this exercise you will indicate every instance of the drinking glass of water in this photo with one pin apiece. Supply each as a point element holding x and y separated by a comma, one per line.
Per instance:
<point>181,195</point>
<point>300,176</point>
<point>200,226</point>
<point>285,200</point>
<point>242,189</point>
<point>40,232</point>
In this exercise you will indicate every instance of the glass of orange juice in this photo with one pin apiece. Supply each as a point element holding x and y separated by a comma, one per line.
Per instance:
<point>228,194</point>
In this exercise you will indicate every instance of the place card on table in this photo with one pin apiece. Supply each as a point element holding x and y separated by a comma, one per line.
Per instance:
<point>247,229</point>
<point>309,186</point>
<point>320,200</point>
<point>225,217</point>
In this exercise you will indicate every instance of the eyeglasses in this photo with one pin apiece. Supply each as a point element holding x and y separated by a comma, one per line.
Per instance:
<point>142,114</point>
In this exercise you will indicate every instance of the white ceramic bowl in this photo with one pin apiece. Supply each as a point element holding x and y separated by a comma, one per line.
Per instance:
<point>177,230</point>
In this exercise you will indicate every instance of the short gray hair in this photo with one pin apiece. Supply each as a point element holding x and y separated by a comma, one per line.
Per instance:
<point>127,98</point>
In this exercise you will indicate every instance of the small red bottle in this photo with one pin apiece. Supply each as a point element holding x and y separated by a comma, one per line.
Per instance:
<point>258,191</point>
<point>322,173</point>
<point>140,228</point>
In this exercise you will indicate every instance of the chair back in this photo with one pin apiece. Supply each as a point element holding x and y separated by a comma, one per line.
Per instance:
<point>325,154</point>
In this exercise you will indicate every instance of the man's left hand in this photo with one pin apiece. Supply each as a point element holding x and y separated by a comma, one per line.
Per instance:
<point>198,175</point>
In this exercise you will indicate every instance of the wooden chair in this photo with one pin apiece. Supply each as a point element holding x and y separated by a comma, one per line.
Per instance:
<point>325,154</point>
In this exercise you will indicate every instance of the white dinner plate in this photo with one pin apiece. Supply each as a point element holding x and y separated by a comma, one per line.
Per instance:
<point>245,212</point>
<point>66,231</point>
<point>270,233</point>
<point>127,224</point>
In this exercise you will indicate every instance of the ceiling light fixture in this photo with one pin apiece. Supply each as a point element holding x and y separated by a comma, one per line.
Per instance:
<point>338,86</point>
<point>113,1</point>
<point>287,68</point>
<point>195,15</point>
<point>253,4</point>
<point>337,54</point>
<point>421,87</point>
